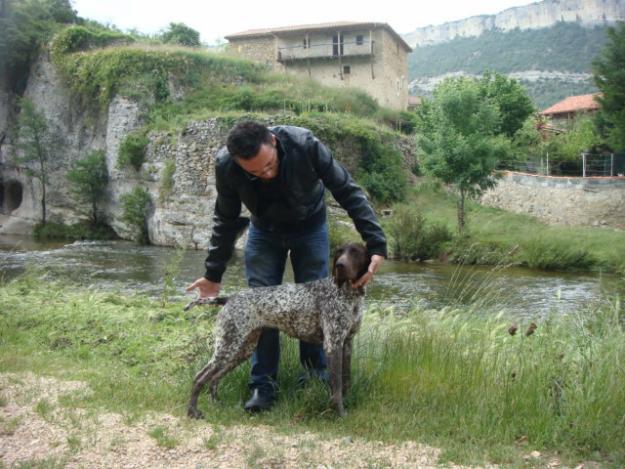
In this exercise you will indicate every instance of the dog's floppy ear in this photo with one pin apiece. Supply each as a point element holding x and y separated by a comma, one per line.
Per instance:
<point>338,252</point>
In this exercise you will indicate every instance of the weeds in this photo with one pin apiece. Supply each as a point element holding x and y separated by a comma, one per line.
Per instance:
<point>163,438</point>
<point>454,378</point>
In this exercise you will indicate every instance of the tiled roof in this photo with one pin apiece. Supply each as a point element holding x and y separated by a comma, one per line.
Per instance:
<point>317,27</point>
<point>585,102</point>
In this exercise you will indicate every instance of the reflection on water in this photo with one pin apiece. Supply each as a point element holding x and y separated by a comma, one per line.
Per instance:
<point>124,266</point>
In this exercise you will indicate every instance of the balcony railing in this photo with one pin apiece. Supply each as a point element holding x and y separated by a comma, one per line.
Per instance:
<point>328,50</point>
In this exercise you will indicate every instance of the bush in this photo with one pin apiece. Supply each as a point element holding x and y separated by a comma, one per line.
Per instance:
<point>135,206</point>
<point>132,150</point>
<point>75,232</point>
<point>413,237</point>
<point>167,180</point>
<point>80,38</point>
<point>554,254</point>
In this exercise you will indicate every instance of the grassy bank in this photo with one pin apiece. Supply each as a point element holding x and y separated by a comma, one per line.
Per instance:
<point>453,379</point>
<point>496,236</point>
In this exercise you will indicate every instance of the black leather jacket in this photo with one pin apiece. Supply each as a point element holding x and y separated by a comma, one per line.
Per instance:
<point>306,167</point>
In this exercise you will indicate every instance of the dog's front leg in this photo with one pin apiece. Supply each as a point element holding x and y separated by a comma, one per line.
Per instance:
<point>347,365</point>
<point>334,351</point>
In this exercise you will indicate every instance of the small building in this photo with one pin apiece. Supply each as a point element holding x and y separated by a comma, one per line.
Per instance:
<point>369,56</point>
<point>564,112</point>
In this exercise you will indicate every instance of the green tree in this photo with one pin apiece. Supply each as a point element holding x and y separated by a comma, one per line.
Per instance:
<point>24,26</point>
<point>459,139</point>
<point>89,177</point>
<point>180,33</point>
<point>34,141</point>
<point>135,205</point>
<point>514,104</point>
<point>610,79</point>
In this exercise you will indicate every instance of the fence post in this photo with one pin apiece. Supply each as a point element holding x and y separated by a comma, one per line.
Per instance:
<point>611,164</point>
<point>583,165</point>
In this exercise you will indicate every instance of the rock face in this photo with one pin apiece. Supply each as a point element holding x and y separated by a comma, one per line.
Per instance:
<point>562,200</point>
<point>536,15</point>
<point>180,215</point>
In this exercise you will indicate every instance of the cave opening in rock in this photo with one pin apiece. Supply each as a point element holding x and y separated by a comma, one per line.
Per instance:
<point>11,193</point>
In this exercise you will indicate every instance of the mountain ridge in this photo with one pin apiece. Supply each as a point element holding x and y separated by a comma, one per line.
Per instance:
<point>536,15</point>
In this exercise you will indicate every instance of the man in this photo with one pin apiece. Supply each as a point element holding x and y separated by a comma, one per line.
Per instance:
<point>280,174</point>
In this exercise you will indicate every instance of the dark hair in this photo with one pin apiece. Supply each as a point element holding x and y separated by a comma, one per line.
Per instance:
<point>245,139</point>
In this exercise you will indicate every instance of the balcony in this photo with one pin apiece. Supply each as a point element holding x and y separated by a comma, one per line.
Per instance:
<point>330,50</point>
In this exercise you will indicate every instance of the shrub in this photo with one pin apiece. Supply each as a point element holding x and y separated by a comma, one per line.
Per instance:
<point>167,180</point>
<point>135,207</point>
<point>413,237</point>
<point>80,38</point>
<point>554,254</point>
<point>132,150</point>
<point>75,232</point>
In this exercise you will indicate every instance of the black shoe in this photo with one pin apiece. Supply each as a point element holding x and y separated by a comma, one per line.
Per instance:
<point>259,401</point>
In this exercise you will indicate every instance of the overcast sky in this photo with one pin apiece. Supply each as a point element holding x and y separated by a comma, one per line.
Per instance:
<point>216,19</point>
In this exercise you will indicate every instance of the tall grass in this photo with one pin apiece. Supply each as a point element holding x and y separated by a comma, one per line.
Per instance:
<point>496,236</point>
<point>455,378</point>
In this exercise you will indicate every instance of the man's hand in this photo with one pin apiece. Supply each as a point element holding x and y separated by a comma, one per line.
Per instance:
<point>206,288</point>
<point>376,261</point>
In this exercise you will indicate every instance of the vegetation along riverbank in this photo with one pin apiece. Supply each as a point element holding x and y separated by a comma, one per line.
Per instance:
<point>454,379</point>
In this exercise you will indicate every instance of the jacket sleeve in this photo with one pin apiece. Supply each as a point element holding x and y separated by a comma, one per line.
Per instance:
<point>227,226</point>
<point>349,195</point>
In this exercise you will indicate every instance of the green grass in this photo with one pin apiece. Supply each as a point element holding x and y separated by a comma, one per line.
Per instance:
<point>496,236</point>
<point>452,378</point>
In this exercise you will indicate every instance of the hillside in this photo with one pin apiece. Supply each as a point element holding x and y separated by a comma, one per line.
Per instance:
<point>536,15</point>
<point>551,63</point>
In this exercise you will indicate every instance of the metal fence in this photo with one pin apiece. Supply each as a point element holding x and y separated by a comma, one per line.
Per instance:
<point>588,165</point>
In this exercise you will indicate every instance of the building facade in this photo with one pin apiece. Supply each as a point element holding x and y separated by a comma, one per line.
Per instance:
<point>368,56</point>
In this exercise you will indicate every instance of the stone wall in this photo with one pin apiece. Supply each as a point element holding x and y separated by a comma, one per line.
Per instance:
<point>562,200</point>
<point>262,50</point>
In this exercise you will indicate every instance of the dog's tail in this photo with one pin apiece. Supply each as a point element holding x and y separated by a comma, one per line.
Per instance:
<point>215,301</point>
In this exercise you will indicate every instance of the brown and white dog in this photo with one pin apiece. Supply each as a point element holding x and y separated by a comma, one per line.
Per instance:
<point>327,312</point>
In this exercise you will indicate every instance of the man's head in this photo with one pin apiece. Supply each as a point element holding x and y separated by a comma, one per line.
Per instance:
<point>253,147</point>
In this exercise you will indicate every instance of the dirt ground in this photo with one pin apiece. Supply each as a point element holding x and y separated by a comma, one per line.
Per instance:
<point>36,431</point>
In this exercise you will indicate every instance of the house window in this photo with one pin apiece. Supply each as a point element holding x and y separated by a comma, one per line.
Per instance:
<point>360,40</point>
<point>347,69</point>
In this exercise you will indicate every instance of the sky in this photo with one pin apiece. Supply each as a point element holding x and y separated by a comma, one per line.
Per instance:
<point>216,19</point>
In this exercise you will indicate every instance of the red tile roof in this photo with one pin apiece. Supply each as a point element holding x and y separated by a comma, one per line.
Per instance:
<point>316,27</point>
<point>585,102</point>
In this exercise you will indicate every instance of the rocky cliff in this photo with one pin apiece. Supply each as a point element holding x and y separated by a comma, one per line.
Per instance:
<point>181,216</point>
<point>534,16</point>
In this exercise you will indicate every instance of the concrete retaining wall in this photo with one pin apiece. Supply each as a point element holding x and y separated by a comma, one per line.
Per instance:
<point>562,200</point>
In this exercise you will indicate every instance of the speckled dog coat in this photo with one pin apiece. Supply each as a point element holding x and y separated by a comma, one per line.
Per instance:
<point>327,311</point>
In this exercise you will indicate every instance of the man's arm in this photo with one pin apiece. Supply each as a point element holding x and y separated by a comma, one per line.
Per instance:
<point>227,224</point>
<point>350,196</point>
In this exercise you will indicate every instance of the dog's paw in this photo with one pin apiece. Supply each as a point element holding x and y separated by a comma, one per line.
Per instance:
<point>194,413</point>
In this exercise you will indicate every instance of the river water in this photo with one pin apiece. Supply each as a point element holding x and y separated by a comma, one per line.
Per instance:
<point>123,266</point>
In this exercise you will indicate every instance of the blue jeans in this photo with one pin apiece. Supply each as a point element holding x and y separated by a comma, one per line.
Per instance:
<point>265,260</point>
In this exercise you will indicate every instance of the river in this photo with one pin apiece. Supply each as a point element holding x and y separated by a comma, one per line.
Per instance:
<point>126,267</point>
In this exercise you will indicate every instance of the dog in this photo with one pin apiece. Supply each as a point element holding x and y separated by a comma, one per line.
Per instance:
<point>327,311</point>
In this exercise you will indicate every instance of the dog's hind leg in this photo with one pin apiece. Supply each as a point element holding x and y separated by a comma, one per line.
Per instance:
<point>245,351</point>
<point>224,359</point>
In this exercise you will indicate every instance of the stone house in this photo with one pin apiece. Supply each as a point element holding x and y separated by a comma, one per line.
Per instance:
<point>369,56</point>
<point>563,113</point>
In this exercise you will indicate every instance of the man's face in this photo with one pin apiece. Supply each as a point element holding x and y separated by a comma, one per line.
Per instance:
<point>264,165</point>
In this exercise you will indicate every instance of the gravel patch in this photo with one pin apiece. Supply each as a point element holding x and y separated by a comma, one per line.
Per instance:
<point>35,428</point>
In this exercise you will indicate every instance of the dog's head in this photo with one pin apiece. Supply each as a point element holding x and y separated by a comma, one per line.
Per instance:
<point>351,262</point>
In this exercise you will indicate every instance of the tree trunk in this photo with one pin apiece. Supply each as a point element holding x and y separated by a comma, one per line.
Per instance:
<point>43,191</point>
<point>461,217</point>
